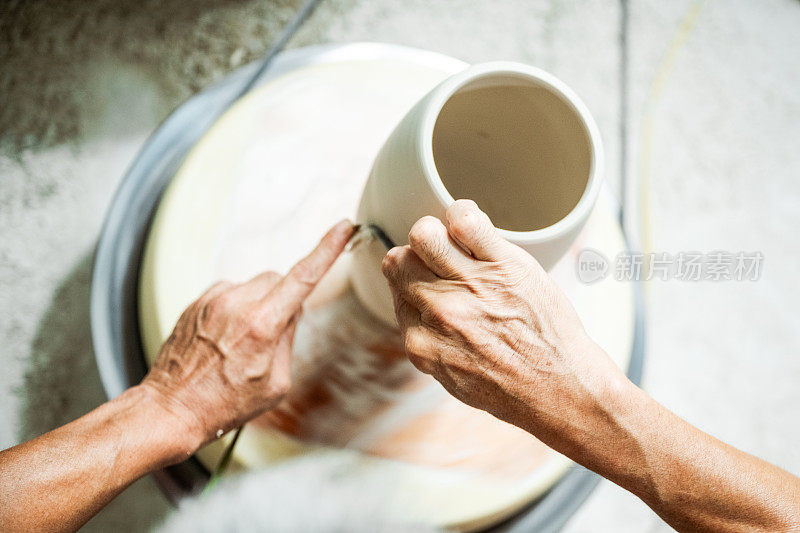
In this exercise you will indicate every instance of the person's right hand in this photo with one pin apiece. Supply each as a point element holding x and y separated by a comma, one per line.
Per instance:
<point>481,316</point>
<point>228,358</point>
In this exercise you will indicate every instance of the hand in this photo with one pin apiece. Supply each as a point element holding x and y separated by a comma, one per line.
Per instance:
<point>228,359</point>
<point>481,316</point>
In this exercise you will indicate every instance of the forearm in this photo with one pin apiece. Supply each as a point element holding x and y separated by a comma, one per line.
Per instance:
<point>692,480</point>
<point>227,360</point>
<point>59,480</point>
<point>696,482</point>
<point>486,320</point>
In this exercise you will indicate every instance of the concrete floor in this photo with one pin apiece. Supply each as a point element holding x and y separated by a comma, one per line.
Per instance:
<point>83,83</point>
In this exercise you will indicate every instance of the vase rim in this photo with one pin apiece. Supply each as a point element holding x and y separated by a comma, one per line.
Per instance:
<point>444,91</point>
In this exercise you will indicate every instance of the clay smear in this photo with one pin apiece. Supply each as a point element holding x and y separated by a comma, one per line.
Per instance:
<point>354,388</point>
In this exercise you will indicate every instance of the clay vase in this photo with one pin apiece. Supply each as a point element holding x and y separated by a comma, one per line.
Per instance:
<point>513,138</point>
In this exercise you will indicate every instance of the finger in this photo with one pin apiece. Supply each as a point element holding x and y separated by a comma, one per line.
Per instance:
<point>283,355</point>
<point>408,275</point>
<point>202,305</point>
<point>294,288</point>
<point>471,228</point>
<point>417,342</point>
<point>407,315</point>
<point>431,242</point>
<point>420,347</point>
<point>216,289</point>
<point>259,286</point>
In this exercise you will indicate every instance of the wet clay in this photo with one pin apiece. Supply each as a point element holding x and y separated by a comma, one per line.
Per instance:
<point>353,387</point>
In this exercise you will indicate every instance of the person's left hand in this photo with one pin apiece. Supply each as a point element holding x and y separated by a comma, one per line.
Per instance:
<point>482,316</point>
<point>228,358</point>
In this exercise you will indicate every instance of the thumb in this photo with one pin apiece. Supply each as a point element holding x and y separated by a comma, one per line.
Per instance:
<point>472,230</point>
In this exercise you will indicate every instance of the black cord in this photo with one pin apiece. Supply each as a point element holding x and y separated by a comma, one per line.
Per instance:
<point>302,15</point>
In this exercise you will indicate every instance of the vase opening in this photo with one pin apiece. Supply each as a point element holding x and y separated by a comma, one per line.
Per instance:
<point>515,146</point>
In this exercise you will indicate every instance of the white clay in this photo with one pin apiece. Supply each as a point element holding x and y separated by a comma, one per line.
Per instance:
<point>509,136</point>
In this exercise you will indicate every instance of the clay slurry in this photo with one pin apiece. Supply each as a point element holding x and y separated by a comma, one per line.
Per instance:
<point>516,149</point>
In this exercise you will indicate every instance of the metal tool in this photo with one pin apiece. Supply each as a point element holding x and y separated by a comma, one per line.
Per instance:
<point>368,232</point>
<point>381,236</point>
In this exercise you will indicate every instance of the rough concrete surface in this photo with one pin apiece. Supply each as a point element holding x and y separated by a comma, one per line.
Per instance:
<point>82,83</point>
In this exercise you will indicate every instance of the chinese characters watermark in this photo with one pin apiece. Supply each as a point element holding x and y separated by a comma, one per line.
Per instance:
<point>593,266</point>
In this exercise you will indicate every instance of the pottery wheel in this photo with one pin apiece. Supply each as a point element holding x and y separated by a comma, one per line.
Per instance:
<point>256,193</point>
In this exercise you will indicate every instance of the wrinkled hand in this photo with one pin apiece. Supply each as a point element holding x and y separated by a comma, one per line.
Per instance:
<point>481,316</point>
<point>228,359</point>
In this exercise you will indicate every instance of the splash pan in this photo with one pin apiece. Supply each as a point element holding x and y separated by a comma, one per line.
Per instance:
<point>255,191</point>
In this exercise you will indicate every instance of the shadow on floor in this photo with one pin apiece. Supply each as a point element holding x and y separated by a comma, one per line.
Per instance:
<point>62,383</point>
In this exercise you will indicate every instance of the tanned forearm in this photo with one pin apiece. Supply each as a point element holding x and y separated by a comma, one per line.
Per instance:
<point>228,360</point>
<point>484,318</point>
<point>59,480</point>
<point>692,480</point>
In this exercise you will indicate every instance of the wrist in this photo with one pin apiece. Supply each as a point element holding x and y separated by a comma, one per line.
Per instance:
<point>164,432</point>
<point>608,433</point>
<point>582,409</point>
